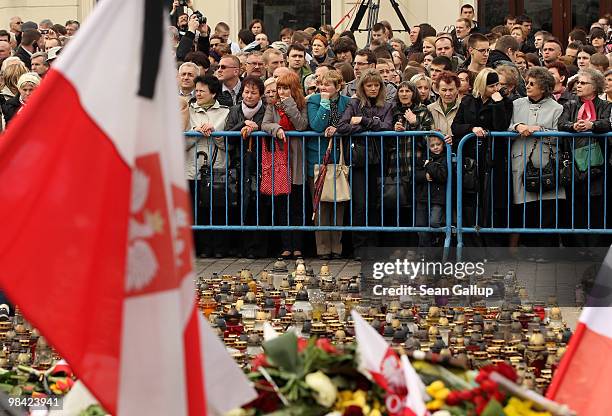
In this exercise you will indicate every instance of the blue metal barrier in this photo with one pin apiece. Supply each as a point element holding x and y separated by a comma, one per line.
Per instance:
<point>389,138</point>
<point>565,220</point>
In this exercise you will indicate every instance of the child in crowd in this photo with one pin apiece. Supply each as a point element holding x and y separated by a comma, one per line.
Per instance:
<point>431,175</point>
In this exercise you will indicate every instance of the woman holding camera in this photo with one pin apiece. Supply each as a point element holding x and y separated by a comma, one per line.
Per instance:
<point>587,114</point>
<point>531,158</point>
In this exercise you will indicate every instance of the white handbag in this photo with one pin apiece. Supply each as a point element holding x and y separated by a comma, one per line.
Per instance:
<point>336,173</point>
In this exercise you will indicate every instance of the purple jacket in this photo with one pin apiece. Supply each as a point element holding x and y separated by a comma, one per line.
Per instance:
<point>373,118</point>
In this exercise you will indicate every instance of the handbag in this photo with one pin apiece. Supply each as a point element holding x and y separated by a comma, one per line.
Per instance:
<point>470,181</point>
<point>581,156</point>
<point>394,181</point>
<point>223,183</point>
<point>544,177</point>
<point>337,176</point>
<point>276,161</point>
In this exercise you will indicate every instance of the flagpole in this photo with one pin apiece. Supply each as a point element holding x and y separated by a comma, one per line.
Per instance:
<point>565,361</point>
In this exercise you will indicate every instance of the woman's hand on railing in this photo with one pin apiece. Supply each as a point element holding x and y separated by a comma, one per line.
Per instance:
<point>206,129</point>
<point>280,134</point>
<point>526,131</point>
<point>583,125</point>
<point>479,131</point>
<point>356,120</point>
<point>448,139</point>
<point>399,126</point>
<point>330,131</point>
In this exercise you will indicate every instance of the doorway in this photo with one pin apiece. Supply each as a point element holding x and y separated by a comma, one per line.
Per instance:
<point>556,16</point>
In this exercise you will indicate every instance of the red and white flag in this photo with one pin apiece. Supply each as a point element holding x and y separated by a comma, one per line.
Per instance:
<point>583,380</point>
<point>379,362</point>
<point>96,241</point>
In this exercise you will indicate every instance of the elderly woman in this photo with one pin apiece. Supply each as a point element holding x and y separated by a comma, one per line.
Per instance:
<point>537,112</point>
<point>484,110</point>
<point>205,115</point>
<point>324,112</point>
<point>368,111</point>
<point>588,114</point>
<point>26,85</point>
<point>288,114</point>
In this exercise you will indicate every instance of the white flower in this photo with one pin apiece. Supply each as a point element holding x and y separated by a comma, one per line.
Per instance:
<point>236,412</point>
<point>325,390</point>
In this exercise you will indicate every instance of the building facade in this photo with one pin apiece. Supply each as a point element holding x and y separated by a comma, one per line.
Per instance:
<point>556,16</point>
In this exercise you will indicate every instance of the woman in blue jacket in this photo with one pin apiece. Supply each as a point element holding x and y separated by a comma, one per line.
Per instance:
<point>324,113</point>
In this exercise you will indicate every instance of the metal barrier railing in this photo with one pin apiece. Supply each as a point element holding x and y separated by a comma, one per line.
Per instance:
<point>559,184</point>
<point>233,217</point>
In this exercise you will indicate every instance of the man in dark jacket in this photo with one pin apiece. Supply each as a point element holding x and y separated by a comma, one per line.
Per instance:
<point>503,54</point>
<point>28,46</point>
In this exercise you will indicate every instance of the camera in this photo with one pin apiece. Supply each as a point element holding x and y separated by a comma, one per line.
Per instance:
<point>200,16</point>
<point>183,3</point>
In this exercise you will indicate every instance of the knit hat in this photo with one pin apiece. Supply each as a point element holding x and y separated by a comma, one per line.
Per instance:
<point>28,77</point>
<point>492,78</point>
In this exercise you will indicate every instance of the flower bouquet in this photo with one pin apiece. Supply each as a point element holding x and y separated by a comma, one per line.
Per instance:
<point>27,381</point>
<point>295,377</point>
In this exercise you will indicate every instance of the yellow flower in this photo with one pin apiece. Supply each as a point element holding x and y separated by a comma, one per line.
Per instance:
<point>236,412</point>
<point>435,404</point>
<point>441,394</point>
<point>325,390</point>
<point>375,412</point>
<point>434,387</point>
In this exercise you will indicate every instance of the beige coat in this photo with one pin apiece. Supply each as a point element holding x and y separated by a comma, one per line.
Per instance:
<point>195,117</point>
<point>443,122</point>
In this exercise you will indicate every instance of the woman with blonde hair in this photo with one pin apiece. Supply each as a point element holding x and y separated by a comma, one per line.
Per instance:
<point>423,84</point>
<point>486,109</point>
<point>288,114</point>
<point>368,111</point>
<point>10,74</point>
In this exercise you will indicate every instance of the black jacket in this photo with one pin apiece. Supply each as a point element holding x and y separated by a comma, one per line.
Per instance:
<point>186,45</point>
<point>566,96</point>
<point>235,122</point>
<point>438,170</point>
<point>22,54</point>
<point>601,125</point>
<point>492,116</point>
<point>10,107</point>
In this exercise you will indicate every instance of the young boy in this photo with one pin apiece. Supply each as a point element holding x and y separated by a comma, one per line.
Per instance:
<point>431,191</point>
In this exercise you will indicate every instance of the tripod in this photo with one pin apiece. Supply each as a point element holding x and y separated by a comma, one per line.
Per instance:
<point>373,7</point>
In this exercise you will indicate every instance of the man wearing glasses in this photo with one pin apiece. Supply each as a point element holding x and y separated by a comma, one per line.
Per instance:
<point>365,59</point>
<point>15,27</point>
<point>229,75</point>
<point>478,47</point>
<point>255,65</point>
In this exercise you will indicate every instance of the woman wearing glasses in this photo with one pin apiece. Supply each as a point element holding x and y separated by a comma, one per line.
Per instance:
<point>588,114</point>
<point>535,113</point>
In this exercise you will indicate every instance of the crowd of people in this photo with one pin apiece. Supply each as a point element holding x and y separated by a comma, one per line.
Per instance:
<point>315,79</point>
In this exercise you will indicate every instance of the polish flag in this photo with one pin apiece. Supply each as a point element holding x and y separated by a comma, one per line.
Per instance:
<point>96,243</point>
<point>379,362</point>
<point>584,378</point>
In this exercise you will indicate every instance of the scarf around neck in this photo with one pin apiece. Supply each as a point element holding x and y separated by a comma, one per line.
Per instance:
<point>249,112</point>
<point>587,111</point>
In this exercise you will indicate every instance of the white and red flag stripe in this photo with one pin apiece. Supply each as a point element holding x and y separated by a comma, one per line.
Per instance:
<point>96,242</point>
<point>379,362</point>
<point>584,377</point>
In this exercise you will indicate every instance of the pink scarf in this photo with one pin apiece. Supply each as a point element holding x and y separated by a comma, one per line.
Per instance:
<point>587,111</point>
